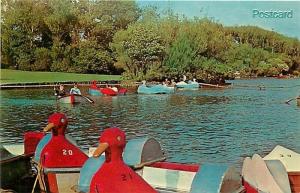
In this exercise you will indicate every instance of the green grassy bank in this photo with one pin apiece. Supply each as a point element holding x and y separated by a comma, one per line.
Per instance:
<point>17,76</point>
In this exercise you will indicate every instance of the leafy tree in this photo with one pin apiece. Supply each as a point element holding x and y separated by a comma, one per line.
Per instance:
<point>100,36</point>
<point>92,58</point>
<point>139,50</point>
<point>181,56</point>
<point>23,30</point>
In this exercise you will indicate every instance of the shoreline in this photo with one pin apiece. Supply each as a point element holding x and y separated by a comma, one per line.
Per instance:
<point>24,85</point>
<point>67,83</point>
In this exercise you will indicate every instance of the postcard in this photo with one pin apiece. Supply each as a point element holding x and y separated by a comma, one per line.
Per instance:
<point>150,96</point>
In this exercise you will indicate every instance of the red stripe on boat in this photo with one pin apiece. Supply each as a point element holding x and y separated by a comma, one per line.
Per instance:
<point>72,99</point>
<point>176,166</point>
<point>52,182</point>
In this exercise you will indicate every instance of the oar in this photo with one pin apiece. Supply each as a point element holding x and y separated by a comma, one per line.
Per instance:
<point>35,181</point>
<point>288,101</point>
<point>39,168</point>
<point>88,99</point>
<point>212,85</point>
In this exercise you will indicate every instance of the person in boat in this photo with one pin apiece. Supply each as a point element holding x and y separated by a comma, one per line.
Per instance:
<point>183,81</point>
<point>166,82</point>
<point>184,78</point>
<point>94,84</point>
<point>61,91</point>
<point>75,90</point>
<point>114,89</point>
<point>193,81</point>
<point>173,83</point>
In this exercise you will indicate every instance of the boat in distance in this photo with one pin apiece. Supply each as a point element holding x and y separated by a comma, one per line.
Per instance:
<point>94,90</point>
<point>155,89</point>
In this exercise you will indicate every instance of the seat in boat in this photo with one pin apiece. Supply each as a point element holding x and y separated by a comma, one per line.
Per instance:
<point>168,179</point>
<point>289,158</point>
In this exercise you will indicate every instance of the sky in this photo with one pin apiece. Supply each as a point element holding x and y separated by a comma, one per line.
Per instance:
<point>236,13</point>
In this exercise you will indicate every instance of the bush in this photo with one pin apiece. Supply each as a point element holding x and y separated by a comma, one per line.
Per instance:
<point>24,62</point>
<point>92,59</point>
<point>60,66</point>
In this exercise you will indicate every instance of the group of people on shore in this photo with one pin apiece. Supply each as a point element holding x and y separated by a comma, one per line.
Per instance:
<point>61,90</point>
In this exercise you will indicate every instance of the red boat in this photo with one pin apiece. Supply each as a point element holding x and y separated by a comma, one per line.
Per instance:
<point>112,92</point>
<point>278,172</point>
<point>94,90</point>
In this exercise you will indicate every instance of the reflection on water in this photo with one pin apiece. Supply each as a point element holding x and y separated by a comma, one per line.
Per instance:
<point>206,125</point>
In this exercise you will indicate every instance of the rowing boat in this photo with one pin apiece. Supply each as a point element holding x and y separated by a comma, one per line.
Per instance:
<point>73,99</point>
<point>15,160</point>
<point>14,166</point>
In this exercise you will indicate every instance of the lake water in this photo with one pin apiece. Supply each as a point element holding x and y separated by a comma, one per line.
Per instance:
<point>206,125</point>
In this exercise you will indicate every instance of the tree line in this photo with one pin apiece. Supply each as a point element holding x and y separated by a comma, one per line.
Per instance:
<point>114,37</point>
